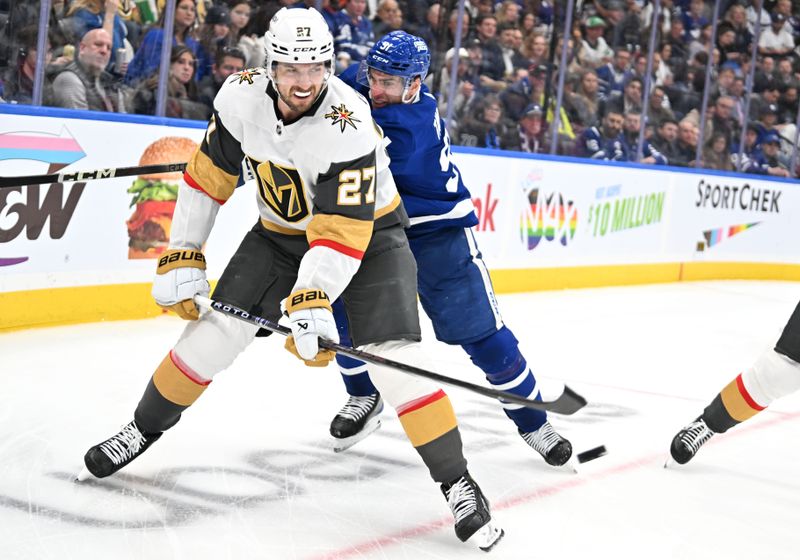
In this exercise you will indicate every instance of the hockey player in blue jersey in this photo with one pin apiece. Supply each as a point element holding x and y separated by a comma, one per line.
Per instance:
<point>454,285</point>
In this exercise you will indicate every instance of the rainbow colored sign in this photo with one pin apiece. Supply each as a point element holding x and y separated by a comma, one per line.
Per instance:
<point>549,218</point>
<point>57,150</point>
<point>718,235</point>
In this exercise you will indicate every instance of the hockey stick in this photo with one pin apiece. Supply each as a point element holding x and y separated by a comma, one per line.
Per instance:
<point>69,176</point>
<point>569,402</point>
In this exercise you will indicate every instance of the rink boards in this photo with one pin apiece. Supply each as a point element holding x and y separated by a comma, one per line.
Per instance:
<point>545,223</point>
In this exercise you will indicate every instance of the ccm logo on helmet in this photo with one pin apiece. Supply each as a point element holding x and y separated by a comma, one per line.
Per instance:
<point>304,49</point>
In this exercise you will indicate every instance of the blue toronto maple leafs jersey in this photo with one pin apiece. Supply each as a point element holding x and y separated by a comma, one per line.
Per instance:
<point>428,181</point>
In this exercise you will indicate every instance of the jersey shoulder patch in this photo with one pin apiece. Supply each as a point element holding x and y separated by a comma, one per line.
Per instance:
<point>250,83</point>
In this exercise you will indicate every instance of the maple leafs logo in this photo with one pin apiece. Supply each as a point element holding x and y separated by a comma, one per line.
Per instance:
<point>246,75</point>
<point>343,116</point>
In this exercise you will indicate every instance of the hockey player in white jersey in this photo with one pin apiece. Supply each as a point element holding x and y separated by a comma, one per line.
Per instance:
<point>775,374</point>
<point>331,226</point>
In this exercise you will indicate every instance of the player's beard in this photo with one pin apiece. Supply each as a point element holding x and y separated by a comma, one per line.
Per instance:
<point>297,103</point>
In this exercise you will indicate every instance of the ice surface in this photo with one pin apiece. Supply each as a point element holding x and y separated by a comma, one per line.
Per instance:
<point>248,474</point>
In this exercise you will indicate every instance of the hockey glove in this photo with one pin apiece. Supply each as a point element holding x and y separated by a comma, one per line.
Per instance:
<point>311,318</point>
<point>181,274</point>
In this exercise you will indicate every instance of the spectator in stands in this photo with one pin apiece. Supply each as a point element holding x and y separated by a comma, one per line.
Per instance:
<point>720,119</point>
<point>84,83</point>
<point>736,16</point>
<point>768,99</point>
<point>775,40</point>
<point>664,139</point>
<point>534,48</point>
<point>229,60</point>
<point>604,142</point>
<point>531,131</point>
<point>792,25</point>
<point>584,103</point>
<point>677,40</point>
<point>765,74</point>
<point>507,13</point>
<point>755,11</point>
<point>594,49</point>
<point>183,101</point>
<point>726,44</point>
<point>765,161</point>
<point>492,67</point>
<point>630,142</point>
<point>148,57</point>
<point>354,30</point>
<point>788,103</point>
<point>613,75</point>
<point>512,58</point>
<point>716,154</point>
<point>85,15</point>
<point>629,100</point>
<point>18,80</point>
<point>214,32</point>
<point>686,144</point>
<point>389,18</point>
<point>485,128</point>
<point>528,24</point>
<point>252,40</point>
<point>784,73</point>
<point>659,108</point>
<point>240,12</point>
<point>625,26</point>
<point>724,82</point>
<point>694,19</point>
<point>466,78</point>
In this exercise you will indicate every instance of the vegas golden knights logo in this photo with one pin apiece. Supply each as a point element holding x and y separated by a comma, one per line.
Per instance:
<point>281,188</point>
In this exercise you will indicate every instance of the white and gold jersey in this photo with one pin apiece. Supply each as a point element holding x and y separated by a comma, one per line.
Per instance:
<point>325,174</point>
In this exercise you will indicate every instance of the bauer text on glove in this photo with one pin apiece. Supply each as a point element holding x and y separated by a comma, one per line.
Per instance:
<point>181,274</point>
<point>311,318</point>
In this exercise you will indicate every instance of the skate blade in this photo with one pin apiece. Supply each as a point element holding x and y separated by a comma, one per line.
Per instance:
<point>83,475</point>
<point>568,467</point>
<point>344,444</point>
<point>487,536</point>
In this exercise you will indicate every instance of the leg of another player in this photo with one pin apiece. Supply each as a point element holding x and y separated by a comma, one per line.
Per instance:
<point>776,373</point>
<point>499,357</point>
<point>360,416</point>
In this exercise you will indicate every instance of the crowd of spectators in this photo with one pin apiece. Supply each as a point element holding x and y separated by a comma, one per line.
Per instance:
<point>104,55</point>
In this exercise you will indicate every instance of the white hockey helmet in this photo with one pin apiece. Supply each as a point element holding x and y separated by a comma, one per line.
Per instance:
<point>298,36</point>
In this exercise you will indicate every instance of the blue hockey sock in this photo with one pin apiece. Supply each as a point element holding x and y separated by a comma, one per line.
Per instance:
<point>355,376</point>
<point>354,372</point>
<point>506,369</point>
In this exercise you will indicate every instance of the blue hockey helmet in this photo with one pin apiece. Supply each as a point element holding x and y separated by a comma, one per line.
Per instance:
<point>400,54</point>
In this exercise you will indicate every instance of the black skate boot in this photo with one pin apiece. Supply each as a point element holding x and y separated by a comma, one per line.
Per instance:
<point>555,449</point>
<point>108,457</point>
<point>357,419</point>
<point>471,512</point>
<point>689,440</point>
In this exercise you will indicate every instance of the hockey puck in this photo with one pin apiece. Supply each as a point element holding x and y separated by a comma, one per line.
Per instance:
<point>592,454</point>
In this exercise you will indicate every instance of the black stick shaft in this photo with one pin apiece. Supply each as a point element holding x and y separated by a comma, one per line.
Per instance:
<point>568,402</point>
<point>70,176</point>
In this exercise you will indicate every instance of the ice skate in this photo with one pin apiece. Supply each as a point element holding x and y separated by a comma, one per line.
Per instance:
<point>357,419</point>
<point>106,458</point>
<point>688,441</point>
<point>471,512</point>
<point>555,449</point>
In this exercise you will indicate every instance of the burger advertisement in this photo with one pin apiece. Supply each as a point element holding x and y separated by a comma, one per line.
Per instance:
<point>154,197</point>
